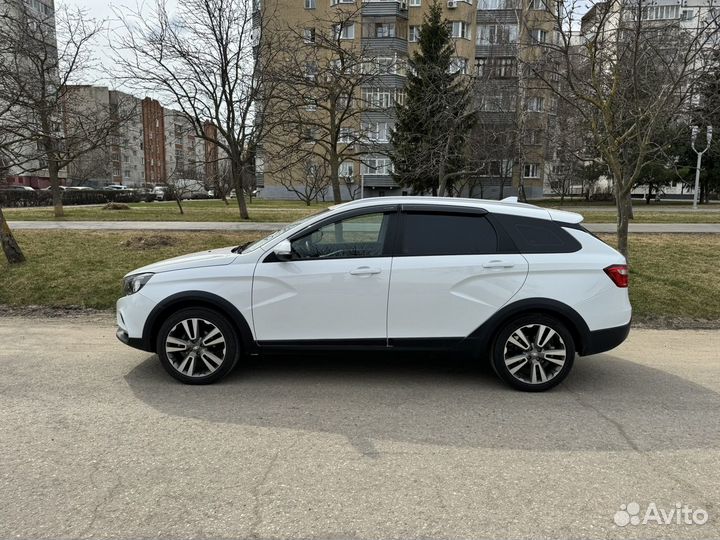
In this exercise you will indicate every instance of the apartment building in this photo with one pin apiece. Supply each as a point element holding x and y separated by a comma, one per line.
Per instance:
<point>184,152</point>
<point>492,38</point>
<point>23,17</point>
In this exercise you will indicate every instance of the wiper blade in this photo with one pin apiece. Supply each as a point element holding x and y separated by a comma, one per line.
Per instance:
<point>240,248</point>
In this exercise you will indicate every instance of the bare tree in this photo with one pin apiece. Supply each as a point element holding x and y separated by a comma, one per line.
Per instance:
<point>45,129</point>
<point>10,247</point>
<point>633,71</point>
<point>215,62</point>
<point>330,81</point>
<point>309,183</point>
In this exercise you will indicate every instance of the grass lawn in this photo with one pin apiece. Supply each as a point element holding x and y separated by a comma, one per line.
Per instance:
<point>654,217</point>
<point>672,276</point>
<point>260,211</point>
<point>79,268</point>
<point>287,211</point>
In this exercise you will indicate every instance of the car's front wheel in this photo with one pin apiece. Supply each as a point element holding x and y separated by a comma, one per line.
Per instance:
<point>198,345</point>
<point>533,352</point>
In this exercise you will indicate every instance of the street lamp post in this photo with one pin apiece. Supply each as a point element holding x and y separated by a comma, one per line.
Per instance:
<point>693,137</point>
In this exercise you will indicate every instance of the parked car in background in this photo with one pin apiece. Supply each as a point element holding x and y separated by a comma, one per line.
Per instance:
<point>189,188</point>
<point>522,287</point>
<point>79,188</point>
<point>15,187</point>
<point>49,188</point>
<point>160,192</point>
<point>117,187</point>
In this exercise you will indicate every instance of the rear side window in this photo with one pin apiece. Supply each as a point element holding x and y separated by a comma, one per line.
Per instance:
<point>533,235</point>
<point>426,233</point>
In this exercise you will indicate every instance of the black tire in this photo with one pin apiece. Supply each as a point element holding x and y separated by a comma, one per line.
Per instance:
<point>524,373</point>
<point>206,356</point>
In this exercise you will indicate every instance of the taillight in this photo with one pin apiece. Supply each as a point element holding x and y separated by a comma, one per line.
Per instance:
<point>619,273</point>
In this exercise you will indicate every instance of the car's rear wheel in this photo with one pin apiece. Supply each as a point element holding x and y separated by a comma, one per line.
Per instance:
<point>198,345</point>
<point>533,352</point>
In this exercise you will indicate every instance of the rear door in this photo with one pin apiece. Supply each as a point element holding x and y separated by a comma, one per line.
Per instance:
<point>449,274</point>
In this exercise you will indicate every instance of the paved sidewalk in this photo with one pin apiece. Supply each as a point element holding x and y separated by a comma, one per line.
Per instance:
<point>256,226</point>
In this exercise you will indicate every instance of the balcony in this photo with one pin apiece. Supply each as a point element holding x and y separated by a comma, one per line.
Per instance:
<point>386,44</point>
<point>384,8</point>
<point>377,180</point>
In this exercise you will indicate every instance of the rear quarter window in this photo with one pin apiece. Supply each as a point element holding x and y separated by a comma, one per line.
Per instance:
<point>532,235</point>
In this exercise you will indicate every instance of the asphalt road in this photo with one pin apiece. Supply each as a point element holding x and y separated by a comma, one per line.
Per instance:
<point>229,226</point>
<point>97,441</point>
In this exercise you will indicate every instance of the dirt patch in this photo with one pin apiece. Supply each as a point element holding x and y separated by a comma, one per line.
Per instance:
<point>116,206</point>
<point>58,313</point>
<point>150,242</point>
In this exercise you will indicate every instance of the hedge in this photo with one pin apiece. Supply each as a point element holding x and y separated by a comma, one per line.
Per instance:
<point>18,198</point>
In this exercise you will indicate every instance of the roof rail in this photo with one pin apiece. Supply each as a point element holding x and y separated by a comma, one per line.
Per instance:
<point>512,200</point>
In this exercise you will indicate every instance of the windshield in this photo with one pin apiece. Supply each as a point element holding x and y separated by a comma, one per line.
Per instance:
<point>286,228</point>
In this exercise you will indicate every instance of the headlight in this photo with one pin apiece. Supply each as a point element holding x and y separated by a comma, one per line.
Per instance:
<point>132,284</point>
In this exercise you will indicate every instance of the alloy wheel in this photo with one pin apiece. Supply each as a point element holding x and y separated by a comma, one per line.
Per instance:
<point>535,354</point>
<point>195,347</point>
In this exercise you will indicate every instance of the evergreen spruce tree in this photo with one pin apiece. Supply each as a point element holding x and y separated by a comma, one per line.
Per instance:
<point>429,139</point>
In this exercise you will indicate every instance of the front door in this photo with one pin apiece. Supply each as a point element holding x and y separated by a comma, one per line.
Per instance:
<point>334,287</point>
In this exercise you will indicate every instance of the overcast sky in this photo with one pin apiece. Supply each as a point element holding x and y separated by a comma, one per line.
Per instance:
<point>104,10</point>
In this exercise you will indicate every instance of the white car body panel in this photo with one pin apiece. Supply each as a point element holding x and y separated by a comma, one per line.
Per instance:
<point>451,295</point>
<point>321,299</point>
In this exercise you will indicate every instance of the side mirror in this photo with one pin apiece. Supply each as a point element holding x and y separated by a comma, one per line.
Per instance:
<point>283,250</point>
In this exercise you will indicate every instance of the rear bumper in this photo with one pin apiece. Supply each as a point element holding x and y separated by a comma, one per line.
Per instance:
<point>603,340</point>
<point>136,343</point>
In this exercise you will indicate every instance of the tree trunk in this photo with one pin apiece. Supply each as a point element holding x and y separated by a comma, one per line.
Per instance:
<point>179,203</point>
<point>10,247</point>
<point>624,208</point>
<point>53,174</point>
<point>238,176</point>
<point>224,198</point>
<point>335,180</point>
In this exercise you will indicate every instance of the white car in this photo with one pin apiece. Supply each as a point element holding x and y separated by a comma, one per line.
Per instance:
<point>525,287</point>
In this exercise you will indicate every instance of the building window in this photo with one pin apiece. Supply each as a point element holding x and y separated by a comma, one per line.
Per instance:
<point>536,104</point>
<point>539,35</point>
<point>346,169</point>
<point>460,29</point>
<point>533,137</point>
<point>311,71</point>
<point>309,4</point>
<point>336,2</point>
<point>309,35</point>
<point>345,31</point>
<point>458,65</point>
<point>377,166</point>
<point>498,103</point>
<point>538,5</point>
<point>687,14</point>
<point>495,34</point>
<point>413,34</point>
<point>383,98</point>
<point>496,68</point>
<point>497,4</point>
<point>346,135</point>
<point>415,3</point>
<point>377,131</point>
<point>384,30</point>
<point>657,13</point>
<point>310,104</point>
<point>531,170</point>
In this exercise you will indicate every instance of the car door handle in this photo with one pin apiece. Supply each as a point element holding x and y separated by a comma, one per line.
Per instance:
<point>498,264</point>
<point>365,271</point>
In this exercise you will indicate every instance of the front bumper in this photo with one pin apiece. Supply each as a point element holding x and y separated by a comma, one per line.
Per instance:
<point>603,340</point>
<point>136,343</point>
